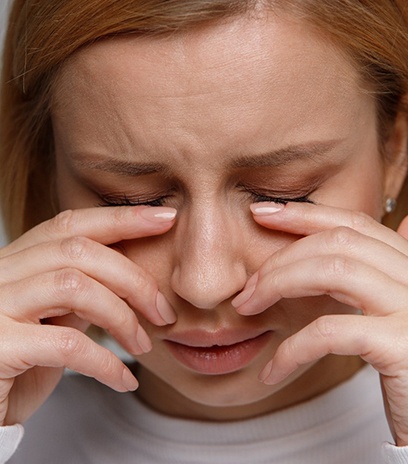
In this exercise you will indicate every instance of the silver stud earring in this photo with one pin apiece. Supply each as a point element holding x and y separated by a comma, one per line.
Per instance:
<point>390,205</point>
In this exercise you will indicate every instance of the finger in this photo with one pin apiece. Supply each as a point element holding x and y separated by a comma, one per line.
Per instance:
<point>56,294</point>
<point>403,228</point>
<point>340,241</point>
<point>348,281</point>
<point>379,341</point>
<point>103,264</point>
<point>104,225</point>
<point>52,346</point>
<point>347,335</point>
<point>307,219</point>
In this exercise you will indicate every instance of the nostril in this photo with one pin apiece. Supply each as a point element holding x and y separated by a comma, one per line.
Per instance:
<point>207,289</point>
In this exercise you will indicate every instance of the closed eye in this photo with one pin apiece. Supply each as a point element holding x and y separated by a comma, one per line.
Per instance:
<point>124,200</point>
<point>259,198</point>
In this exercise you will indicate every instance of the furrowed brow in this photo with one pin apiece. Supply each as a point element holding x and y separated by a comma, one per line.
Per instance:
<point>120,167</point>
<point>286,155</point>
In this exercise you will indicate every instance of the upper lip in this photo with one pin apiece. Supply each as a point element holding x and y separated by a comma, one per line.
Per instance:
<point>205,339</point>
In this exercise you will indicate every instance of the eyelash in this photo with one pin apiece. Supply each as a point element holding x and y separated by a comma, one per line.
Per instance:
<point>259,198</point>
<point>124,200</point>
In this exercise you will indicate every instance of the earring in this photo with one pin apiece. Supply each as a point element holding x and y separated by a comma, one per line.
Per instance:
<point>390,205</point>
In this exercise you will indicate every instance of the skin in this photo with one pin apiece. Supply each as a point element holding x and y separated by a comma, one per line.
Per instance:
<point>219,95</point>
<point>203,107</point>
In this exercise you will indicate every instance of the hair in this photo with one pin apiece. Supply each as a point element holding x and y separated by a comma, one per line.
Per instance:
<point>43,34</point>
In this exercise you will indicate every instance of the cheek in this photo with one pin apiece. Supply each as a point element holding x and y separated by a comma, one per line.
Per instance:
<point>358,188</point>
<point>370,193</point>
<point>289,316</point>
<point>366,197</point>
<point>152,254</point>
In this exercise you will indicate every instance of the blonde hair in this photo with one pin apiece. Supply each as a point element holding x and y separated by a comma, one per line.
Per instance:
<point>43,34</point>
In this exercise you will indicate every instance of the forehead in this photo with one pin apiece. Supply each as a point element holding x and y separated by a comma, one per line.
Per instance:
<point>229,50</point>
<point>219,79</point>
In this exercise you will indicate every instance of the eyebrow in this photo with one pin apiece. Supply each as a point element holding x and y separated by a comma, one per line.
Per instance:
<point>287,155</point>
<point>275,158</point>
<point>124,168</point>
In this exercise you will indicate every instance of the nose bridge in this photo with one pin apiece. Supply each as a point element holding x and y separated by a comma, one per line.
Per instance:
<point>209,265</point>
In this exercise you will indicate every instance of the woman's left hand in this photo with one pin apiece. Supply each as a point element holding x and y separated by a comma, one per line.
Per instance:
<point>357,261</point>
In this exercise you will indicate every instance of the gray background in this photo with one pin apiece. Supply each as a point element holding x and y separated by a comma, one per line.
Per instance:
<point>3,18</point>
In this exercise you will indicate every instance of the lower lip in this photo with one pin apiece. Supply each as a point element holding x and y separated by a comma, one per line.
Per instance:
<point>218,360</point>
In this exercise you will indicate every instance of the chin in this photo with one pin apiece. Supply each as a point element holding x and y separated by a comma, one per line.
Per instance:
<point>230,390</point>
<point>235,396</point>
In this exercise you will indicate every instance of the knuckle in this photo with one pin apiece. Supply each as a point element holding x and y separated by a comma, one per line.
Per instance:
<point>138,276</point>
<point>326,327</point>
<point>63,223</point>
<point>76,248</point>
<point>69,343</point>
<point>341,238</point>
<point>141,282</point>
<point>70,281</point>
<point>337,267</point>
<point>122,317</point>
<point>120,322</point>
<point>279,279</point>
<point>120,215</point>
<point>360,221</point>
<point>290,348</point>
<point>108,365</point>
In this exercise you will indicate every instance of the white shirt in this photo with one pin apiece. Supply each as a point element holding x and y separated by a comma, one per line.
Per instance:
<point>84,422</point>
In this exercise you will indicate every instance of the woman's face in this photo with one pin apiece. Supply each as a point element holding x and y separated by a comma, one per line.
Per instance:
<point>207,122</point>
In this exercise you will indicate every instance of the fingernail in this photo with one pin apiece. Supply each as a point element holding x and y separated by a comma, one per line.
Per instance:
<point>129,381</point>
<point>164,309</point>
<point>158,214</point>
<point>266,208</point>
<point>143,340</point>
<point>266,372</point>
<point>243,297</point>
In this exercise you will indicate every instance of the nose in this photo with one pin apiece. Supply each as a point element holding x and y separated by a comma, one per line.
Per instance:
<point>209,266</point>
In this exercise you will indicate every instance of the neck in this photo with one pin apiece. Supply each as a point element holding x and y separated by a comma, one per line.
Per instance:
<point>330,372</point>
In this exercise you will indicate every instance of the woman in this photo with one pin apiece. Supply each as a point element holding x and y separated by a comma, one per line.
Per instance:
<point>248,155</point>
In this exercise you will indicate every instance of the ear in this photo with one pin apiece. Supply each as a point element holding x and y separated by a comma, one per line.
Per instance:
<point>396,157</point>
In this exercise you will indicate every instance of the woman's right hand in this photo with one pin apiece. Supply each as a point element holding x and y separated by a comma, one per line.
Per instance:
<point>59,278</point>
